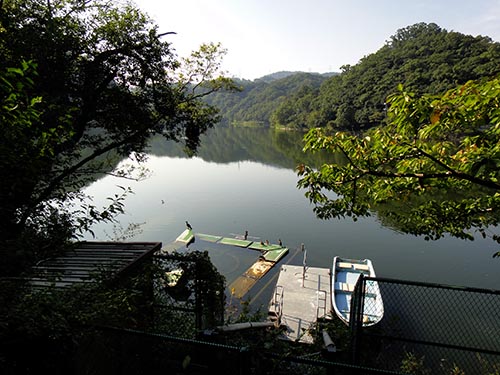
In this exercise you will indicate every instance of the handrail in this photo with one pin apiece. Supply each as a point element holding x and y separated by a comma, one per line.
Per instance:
<point>324,303</point>
<point>278,301</point>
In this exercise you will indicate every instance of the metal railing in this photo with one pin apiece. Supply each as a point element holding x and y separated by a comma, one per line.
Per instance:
<point>321,304</point>
<point>277,302</point>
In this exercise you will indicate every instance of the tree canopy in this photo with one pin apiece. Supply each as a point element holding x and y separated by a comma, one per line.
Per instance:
<point>81,80</point>
<point>83,84</point>
<point>423,57</point>
<point>438,157</point>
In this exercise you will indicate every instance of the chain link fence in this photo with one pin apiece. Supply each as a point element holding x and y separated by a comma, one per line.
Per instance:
<point>175,307</point>
<point>188,294</point>
<point>426,329</point>
<point>429,329</point>
<point>125,351</point>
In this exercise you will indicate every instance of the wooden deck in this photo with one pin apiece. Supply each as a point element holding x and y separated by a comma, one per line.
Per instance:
<point>299,301</point>
<point>92,262</point>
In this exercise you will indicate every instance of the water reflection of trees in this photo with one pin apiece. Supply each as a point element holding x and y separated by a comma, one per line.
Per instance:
<point>229,144</point>
<point>283,149</point>
<point>405,215</point>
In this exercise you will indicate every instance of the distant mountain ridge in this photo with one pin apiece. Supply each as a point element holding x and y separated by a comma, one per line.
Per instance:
<point>424,58</point>
<point>285,73</point>
<point>258,99</point>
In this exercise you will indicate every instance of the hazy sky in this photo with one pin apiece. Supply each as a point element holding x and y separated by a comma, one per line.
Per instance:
<point>266,36</point>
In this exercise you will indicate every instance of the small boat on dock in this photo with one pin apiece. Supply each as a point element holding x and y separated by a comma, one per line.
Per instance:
<point>345,274</point>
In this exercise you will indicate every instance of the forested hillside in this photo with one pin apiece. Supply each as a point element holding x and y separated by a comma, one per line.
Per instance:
<point>423,57</point>
<point>258,99</point>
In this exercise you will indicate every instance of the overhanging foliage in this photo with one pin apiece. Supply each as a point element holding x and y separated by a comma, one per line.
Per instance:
<point>438,159</point>
<point>84,82</point>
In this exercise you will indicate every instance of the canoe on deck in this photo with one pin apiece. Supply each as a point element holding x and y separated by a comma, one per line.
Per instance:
<point>345,274</point>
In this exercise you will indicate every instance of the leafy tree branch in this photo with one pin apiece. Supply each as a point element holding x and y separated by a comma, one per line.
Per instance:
<point>439,151</point>
<point>82,81</point>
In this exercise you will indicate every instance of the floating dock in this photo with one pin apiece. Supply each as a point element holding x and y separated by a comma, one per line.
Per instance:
<point>234,242</point>
<point>186,237</point>
<point>300,298</point>
<point>270,254</point>
<point>256,271</point>
<point>245,282</point>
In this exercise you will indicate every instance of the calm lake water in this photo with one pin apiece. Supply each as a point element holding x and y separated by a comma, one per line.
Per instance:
<point>244,179</point>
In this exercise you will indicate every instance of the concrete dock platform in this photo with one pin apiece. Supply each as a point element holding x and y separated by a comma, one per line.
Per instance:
<point>300,299</point>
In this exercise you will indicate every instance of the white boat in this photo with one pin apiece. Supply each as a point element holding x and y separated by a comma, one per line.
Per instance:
<point>345,274</point>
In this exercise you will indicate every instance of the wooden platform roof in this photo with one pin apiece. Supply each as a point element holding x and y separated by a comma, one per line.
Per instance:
<point>86,260</point>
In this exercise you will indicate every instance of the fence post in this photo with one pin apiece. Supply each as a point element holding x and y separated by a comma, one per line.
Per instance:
<point>356,318</point>
<point>244,361</point>
<point>198,306</point>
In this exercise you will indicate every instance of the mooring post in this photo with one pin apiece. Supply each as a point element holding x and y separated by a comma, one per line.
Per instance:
<point>304,264</point>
